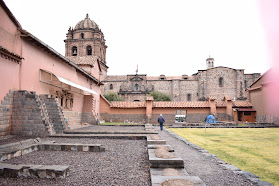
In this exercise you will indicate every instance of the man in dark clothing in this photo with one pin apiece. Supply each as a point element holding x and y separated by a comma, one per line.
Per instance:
<point>161,120</point>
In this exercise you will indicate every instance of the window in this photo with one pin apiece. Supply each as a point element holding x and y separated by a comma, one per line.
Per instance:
<point>189,97</point>
<point>111,86</point>
<point>89,50</point>
<point>136,87</point>
<point>82,35</point>
<point>221,82</point>
<point>245,83</point>
<point>247,113</point>
<point>74,51</point>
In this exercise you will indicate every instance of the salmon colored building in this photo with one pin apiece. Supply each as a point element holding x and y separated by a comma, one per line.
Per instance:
<point>27,63</point>
<point>262,99</point>
<point>149,110</point>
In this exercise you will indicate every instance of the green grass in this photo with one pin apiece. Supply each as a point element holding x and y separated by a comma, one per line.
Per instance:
<point>250,149</point>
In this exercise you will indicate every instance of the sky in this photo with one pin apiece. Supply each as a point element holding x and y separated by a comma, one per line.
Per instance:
<point>170,37</point>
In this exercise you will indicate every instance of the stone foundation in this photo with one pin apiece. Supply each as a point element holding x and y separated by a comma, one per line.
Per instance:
<point>77,118</point>
<point>137,118</point>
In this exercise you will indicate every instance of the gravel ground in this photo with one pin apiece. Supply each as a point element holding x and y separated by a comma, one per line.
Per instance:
<point>206,168</point>
<point>124,162</point>
<point>111,128</point>
<point>12,139</point>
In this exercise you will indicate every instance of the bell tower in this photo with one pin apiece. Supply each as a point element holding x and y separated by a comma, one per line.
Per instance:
<point>209,62</point>
<point>86,46</point>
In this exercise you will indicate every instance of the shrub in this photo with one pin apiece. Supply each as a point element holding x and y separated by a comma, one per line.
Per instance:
<point>113,96</point>
<point>160,96</point>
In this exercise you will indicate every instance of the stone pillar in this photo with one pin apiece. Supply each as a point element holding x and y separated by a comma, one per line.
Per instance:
<point>149,102</point>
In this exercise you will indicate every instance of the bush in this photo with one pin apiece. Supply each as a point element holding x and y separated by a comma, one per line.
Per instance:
<point>160,96</point>
<point>113,96</point>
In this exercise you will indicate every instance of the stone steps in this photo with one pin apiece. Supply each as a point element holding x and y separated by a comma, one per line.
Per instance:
<point>166,168</point>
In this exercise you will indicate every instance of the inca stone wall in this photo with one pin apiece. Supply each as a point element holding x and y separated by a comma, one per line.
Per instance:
<point>6,108</point>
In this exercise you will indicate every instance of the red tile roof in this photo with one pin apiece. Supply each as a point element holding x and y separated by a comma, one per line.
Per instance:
<point>221,104</point>
<point>124,104</point>
<point>242,104</point>
<point>83,60</point>
<point>181,104</point>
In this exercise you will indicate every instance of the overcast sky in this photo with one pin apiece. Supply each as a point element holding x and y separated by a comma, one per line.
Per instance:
<point>171,37</point>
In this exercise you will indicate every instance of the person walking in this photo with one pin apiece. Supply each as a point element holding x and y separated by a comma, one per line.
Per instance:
<point>161,121</point>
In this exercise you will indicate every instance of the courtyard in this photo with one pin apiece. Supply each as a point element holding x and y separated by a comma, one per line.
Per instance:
<point>131,155</point>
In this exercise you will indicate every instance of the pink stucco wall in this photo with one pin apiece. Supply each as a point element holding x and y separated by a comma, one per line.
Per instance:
<point>36,59</point>
<point>9,34</point>
<point>9,76</point>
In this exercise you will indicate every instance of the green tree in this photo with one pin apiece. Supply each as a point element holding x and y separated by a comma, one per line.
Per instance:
<point>113,96</point>
<point>160,96</point>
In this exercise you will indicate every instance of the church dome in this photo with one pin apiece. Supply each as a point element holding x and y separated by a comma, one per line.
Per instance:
<point>86,24</point>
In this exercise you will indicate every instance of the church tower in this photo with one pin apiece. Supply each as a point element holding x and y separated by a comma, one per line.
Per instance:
<point>85,45</point>
<point>209,62</point>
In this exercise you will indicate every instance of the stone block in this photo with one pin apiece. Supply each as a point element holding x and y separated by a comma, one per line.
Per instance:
<point>62,171</point>
<point>12,171</point>
<point>33,171</point>
<point>74,147</point>
<point>85,148</point>
<point>55,147</point>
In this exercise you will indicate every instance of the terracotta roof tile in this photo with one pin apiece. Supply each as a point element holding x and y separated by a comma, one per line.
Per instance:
<point>242,104</point>
<point>124,104</point>
<point>181,104</point>
<point>83,60</point>
<point>212,97</point>
<point>228,98</point>
<point>221,104</point>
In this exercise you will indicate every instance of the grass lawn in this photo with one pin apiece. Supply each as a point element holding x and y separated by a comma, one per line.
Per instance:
<point>250,149</point>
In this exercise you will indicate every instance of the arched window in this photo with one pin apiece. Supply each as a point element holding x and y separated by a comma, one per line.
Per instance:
<point>74,51</point>
<point>221,82</point>
<point>136,87</point>
<point>82,35</point>
<point>111,86</point>
<point>89,50</point>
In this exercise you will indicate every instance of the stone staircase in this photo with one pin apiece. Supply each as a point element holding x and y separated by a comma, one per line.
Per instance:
<point>54,113</point>
<point>25,113</point>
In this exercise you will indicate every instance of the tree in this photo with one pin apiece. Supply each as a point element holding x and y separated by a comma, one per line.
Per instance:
<point>113,96</point>
<point>160,96</point>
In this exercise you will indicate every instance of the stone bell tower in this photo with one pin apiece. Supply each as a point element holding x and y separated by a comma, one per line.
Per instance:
<point>209,62</point>
<point>85,45</point>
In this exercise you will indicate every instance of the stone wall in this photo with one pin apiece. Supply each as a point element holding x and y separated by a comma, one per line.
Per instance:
<point>138,118</point>
<point>75,119</point>
<point>6,108</point>
<point>202,84</point>
<point>27,117</point>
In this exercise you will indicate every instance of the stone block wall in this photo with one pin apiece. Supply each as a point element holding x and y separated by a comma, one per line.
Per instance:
<point>27,118</point>
<point>77,118</point>
<point>138,118</point>
<point>6,108</point>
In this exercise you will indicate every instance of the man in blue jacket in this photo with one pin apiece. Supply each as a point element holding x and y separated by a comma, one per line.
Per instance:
<point>161,120</point>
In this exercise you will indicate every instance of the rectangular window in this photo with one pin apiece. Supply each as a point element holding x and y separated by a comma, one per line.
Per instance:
<point>247,113</point>
<point>189,97</point>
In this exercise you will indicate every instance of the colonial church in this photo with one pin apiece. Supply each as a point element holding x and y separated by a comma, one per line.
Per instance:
<point>85,45</point>
<point>212,81</point>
